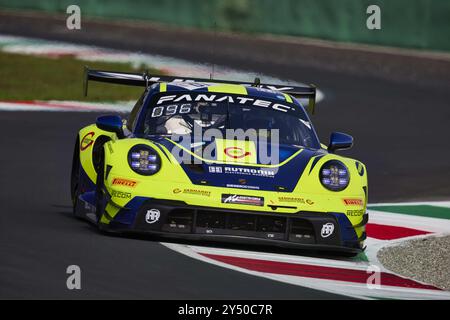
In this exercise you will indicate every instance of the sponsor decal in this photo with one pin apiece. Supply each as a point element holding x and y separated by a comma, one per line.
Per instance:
<point>295,200</point>
<point>196,192</point>
<point>243,171</point>
<point>240,199</point>
<point>87,141</point>
<point>242,186</point>
<point>215,169</point>
<point>152,216</point>
<point>355,213</point>
<point>235,100</point>
<point>120,194</point>
<point>236,152</point>
<point>124,182</point>
<point>190,85</point>
<point>327,230</point>
<point>353,202</point>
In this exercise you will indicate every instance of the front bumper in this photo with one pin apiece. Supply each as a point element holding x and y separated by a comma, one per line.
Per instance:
<point>308,230</point>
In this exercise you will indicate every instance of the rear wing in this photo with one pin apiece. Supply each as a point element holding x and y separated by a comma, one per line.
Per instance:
<point>146,80</point>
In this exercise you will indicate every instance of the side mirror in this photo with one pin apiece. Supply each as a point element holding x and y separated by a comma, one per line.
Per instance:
<point>110,124</point>
<point>340,140</point>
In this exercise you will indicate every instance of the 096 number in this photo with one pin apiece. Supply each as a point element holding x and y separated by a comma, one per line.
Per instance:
<point>171,110</point>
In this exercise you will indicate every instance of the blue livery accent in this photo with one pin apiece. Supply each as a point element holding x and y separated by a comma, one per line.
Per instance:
<point>348,234</point>
<point>127,215</point>
<point>85,183</point>
<point>88,197</point>
<point>314,162</point>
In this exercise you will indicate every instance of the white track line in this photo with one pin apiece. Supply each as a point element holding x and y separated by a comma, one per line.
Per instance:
<point>356,290</point>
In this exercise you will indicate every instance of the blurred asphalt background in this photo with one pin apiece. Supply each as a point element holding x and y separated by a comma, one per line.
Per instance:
<point>395,103</point>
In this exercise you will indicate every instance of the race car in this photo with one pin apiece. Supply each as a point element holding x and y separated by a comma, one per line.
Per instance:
<point>219,160</point>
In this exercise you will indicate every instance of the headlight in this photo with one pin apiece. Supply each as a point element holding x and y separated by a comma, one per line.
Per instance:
<point>144,160</point>
<point>334,175</point>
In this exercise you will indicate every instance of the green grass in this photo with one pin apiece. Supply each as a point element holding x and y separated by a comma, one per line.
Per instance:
<point>26,77</point>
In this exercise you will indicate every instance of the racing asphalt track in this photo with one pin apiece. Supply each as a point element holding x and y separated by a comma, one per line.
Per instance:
<point>400,129</point>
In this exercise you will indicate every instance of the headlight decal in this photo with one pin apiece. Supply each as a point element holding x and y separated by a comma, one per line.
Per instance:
<point>144,160</point>
<point>334,175</point>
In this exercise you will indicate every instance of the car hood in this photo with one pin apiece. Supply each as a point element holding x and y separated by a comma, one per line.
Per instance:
<point>237,164</point>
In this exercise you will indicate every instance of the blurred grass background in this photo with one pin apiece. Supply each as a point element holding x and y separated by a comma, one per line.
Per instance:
<point>27,77</point>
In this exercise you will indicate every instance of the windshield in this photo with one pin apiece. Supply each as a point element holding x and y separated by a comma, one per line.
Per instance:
<point>187,118</point>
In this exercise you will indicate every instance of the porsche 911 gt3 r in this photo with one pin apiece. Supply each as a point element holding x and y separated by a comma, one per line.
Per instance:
<point>151,173</point>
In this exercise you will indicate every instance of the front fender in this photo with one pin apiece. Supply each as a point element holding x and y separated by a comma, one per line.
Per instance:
<point>88,137</point>
<point>117,167</point>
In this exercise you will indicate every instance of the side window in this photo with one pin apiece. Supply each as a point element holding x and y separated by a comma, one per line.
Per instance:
<point>135,111</point>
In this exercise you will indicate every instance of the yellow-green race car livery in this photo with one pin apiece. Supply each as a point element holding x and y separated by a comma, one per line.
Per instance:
<point>219,160</point>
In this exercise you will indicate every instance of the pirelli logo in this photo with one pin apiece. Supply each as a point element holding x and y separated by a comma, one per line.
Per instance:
<point>353,202</point>
<point>124,182</point>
